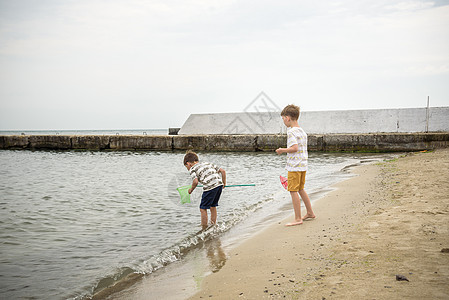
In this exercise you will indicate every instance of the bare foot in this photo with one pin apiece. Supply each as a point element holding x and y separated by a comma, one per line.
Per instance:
<point>293,223</point>
<point>308,217</point>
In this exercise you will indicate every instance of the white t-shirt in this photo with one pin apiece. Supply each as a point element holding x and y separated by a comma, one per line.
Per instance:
<point>297,161</point>
<point>207,174</point>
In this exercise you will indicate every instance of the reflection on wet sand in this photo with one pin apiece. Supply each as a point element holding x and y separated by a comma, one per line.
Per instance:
<point>215,254</point>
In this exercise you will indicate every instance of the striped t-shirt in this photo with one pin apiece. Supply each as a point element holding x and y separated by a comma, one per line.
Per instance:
<point>297,161</point>
<point>207,175</point>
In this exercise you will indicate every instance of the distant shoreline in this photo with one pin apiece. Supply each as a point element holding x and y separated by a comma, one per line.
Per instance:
<point>158,131</point>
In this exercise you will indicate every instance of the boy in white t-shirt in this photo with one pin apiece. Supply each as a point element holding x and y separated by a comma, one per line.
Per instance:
<point>296,163</point>
<point>213,179</point>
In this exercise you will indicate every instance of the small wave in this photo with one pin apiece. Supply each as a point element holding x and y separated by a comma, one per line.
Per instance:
<point>175,253</point>
<point>111,280</point>
<point>156,262</point>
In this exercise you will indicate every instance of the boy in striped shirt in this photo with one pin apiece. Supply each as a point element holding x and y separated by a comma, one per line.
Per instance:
<point>207,174</point>
<point>296,163</point>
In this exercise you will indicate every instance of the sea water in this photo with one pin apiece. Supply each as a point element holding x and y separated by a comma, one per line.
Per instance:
<point>74,222</point>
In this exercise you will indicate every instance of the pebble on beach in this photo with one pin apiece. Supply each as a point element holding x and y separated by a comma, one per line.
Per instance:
<point>401,278</point>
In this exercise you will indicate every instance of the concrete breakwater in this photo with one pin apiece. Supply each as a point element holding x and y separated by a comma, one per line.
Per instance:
<point>374,142</point>
<point>405,120</point>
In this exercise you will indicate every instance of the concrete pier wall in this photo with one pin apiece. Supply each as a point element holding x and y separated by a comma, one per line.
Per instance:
<point>384,142</point>
<point>406,120</point>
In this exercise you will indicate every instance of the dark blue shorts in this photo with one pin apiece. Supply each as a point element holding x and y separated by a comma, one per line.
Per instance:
<point>210,198</point>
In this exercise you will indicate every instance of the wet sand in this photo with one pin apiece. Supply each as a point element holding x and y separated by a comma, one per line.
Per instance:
<point>392,219</point>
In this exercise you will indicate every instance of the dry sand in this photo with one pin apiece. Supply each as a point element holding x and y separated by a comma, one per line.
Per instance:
<point>392,219</point>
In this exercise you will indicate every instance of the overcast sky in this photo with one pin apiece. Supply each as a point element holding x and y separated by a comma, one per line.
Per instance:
<point>130,64</point>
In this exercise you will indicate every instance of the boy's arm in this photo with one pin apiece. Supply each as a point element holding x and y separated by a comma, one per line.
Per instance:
<point>194,184</point>
<point>223,176</point>
<point>292,149</point>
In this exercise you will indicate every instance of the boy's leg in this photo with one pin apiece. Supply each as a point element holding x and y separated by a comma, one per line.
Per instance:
<point>294,183</point>
<point>308,205</point>
<point>213,214</point>
<point>213,207</point>
<point>203,217</point>
<point>297,208</point>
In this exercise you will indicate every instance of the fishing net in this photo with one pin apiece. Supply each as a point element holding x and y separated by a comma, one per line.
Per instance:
<point>184,193</point>
<point>284,182</point>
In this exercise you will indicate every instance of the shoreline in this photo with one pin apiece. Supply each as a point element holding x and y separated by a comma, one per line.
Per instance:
<point>386,221</point>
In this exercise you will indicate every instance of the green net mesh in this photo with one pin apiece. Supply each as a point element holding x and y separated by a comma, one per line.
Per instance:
<point>184,193</point>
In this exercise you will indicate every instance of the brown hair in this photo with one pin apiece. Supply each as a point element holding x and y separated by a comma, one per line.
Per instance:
<point>291,111</point>
<point>190,157</point>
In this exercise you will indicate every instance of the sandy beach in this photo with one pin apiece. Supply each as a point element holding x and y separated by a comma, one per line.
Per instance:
<point>389,222</point>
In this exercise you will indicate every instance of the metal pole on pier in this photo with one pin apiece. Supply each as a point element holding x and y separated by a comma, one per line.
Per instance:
<point>427,115</point>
